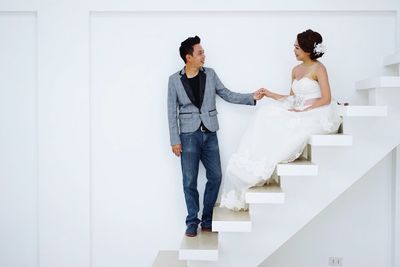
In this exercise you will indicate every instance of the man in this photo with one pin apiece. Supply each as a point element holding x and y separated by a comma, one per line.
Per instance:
<point>191,98</point>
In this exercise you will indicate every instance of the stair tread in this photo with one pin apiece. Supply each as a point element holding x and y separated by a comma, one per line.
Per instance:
<point>168,258</point>
<point>224,214</point>
<point>299,167</point>
<point>362,111</point>
<point>268,193</point>
<point>203,247</point>
<point>392,59</point>
<point>226,220</point>
<point>378,82</point>
<point>298,162</point>
<point>203,241</point>
<point>270,188</point>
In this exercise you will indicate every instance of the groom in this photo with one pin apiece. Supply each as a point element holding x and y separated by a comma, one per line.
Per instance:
<point>191,102</point>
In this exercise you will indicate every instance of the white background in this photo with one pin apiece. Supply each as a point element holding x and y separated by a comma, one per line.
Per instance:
<point>86,173</point>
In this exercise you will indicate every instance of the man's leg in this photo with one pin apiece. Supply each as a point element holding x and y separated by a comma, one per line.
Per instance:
<point>211,161</point>
<point>190,158</point>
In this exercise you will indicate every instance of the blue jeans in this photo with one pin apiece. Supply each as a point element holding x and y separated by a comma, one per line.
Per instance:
<point>198,146</point>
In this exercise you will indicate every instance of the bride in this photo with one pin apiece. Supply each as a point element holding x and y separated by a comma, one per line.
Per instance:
<point>279,131</point>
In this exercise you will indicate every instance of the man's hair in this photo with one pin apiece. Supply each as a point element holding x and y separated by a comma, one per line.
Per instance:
<point>186,47</point>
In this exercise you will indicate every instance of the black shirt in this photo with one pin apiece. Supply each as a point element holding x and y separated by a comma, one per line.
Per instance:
<point>194,83</point>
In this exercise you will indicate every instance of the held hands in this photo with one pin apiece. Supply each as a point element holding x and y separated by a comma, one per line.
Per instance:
<point>265,92</point>
<point>260,93</point>
<point>177,149</point>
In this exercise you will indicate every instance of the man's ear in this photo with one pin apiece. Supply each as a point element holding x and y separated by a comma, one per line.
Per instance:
<point>188,56</point>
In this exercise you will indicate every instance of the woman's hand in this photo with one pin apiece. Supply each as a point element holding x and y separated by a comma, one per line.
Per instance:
<point>268,93</point>
<point>299,110</point>
<point>265,92</point>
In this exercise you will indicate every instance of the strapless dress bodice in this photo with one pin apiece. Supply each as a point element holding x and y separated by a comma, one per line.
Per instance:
<point>306,88</point>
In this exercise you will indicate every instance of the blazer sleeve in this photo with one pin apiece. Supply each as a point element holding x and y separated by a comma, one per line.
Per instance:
<point>173,114</point>
<point>232,97</point>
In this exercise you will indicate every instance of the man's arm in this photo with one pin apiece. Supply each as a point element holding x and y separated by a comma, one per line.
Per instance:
<point>233,97</point>
<point>173,119</point>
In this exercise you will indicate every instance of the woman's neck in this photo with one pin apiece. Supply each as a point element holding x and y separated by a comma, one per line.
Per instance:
<point>308,62</point>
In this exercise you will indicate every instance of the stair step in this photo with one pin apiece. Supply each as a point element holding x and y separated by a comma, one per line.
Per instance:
<point>203,247</point>
<point>331,140</point>
<point>225,220</point>
<point>271,193</point>
<point>362,111</point>
<point>378,82</point>
<point>392,59</point>
<point>299,167</point>
<point>168,258</point>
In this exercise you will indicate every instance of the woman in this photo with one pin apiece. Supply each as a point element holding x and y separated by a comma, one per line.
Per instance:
<point>280,130</point>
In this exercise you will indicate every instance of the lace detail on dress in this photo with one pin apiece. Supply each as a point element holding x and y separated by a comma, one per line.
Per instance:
<point>233,201</point>
<point>256,167</point>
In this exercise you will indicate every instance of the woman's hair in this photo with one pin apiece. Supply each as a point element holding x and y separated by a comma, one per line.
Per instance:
<point>308,40</point>
<point>186,47</point>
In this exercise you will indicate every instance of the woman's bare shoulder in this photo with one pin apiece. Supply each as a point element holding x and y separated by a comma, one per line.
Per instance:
<point>320,67</point>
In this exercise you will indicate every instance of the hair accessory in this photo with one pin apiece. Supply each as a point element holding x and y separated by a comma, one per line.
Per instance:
<point>319,48</point>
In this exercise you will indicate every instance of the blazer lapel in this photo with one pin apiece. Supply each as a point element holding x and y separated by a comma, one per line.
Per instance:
<point>187,88</point>
<point>202,79</point>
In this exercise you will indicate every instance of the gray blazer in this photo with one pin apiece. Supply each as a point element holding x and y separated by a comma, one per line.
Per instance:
<point>181,108</point>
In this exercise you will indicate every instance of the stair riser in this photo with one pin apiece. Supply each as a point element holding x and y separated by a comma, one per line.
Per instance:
<point>392,60</point>
<point>378,82</point>
<point>362,111</point>
<point>260,198</point>
<point>308,170</point>
<point>351,125</point>
<point>385,96</point>
<point>327,140</point>
<point>238,227</point>
<point>199,255</point>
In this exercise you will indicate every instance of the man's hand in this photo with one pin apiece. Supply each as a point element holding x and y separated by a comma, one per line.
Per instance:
<point>257,95</point>
<point>177,149</point>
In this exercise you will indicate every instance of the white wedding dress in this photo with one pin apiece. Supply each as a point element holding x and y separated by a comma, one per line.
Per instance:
<point>276,135</point>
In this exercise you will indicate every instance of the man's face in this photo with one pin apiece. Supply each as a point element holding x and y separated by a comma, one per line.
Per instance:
<point>198,58</point>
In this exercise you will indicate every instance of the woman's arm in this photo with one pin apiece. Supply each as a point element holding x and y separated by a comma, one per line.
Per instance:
<point>276,96</point>
<point>272,95</point>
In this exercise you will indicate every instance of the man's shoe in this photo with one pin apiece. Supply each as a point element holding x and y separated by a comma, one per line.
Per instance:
<point>206,229</point>
<point>191,230</point>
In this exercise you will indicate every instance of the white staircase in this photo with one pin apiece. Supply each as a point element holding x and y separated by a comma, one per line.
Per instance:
<point>271,193</point>
<point>168,258</point>
<point>328,167</point>
<point>393,59</point>
<point>203,247</point>
<point>225,220</point>
<point>379,83</point>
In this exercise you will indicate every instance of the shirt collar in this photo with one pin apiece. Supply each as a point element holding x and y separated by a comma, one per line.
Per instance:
<point>183,71</point>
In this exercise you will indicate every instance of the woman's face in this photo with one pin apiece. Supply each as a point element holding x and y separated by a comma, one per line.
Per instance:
<point>299,53</point>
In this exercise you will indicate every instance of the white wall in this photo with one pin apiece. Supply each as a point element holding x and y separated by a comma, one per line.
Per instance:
<point>86,80</point>
<point>356,227</point>
<point>18,140</point>
<point>398,26</point>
